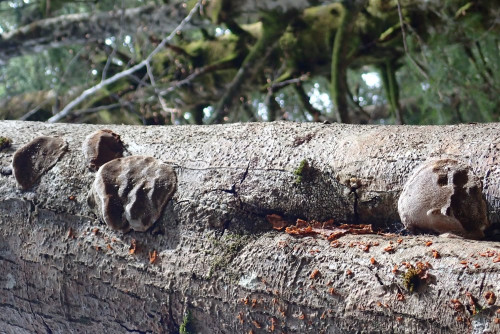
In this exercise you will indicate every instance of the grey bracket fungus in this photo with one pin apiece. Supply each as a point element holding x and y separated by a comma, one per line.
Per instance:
<point>131,192</point>
<point>444,196</point>
<point>34,159</point>
<point>100,147</point>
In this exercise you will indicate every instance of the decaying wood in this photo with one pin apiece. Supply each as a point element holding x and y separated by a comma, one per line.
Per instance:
<point>213,254</point>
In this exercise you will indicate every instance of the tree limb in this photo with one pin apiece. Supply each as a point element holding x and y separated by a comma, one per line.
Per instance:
<point>273,28</point>
<point>214,254</point>
<point>419,67</point>
<point>339,64</point>
<point>90,91</point>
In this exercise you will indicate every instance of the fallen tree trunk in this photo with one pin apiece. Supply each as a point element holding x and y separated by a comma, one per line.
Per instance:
<point>213,254</point>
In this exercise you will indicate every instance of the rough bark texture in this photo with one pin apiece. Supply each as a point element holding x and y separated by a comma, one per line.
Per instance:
<point>217,256</point>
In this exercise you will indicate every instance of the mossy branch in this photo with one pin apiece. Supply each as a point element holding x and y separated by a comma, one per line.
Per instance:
<point>304,100</point>
<point>338,68</point>
<point>388,75</point>
<point>273,27</point>
<point>271,105</point>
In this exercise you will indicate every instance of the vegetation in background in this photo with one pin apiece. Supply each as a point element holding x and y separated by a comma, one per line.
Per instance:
<point>441,67</point>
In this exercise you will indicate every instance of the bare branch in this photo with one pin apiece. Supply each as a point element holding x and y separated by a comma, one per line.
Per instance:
<point>196,73</point>
<point>35,110</point>
<point>96,109</point>
<point>115,47</point>
<point>88,92</point>
<point>284,83</point>
<point>414,62</point>
<point>163,104</point>
<point>306,103</point>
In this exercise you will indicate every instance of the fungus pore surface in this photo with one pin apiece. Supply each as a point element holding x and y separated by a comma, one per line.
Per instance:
<point>100,147</point>
<point>34,159</point>
<point>131,192</point>
<point>444,196</point>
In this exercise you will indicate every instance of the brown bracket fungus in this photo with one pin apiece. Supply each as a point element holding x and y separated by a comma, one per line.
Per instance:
<point>131,192</point>
<point>444,196</point>
<point>34,159</point>
<point>100,147</point>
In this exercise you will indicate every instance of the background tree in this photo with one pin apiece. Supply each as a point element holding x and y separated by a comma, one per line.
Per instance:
<point>349,61</point>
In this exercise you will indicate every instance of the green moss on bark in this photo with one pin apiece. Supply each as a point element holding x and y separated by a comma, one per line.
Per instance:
<point>5,142</point>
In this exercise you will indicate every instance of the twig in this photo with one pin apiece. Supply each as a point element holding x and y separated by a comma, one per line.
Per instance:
<point>196,73</point>
<point>284,83</point>
<point>407,52</point>
<point>34,110</point>
<point>163,104</point>
<point>61,80</point>
<point>97,109</point>
<point>113,53</point>
<point>90,91</point>
<point>305,101</point>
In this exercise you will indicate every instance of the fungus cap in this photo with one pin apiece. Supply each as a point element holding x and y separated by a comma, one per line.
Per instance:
<point>100,147</point>
<point>37,157</point>
<point>131,192</point>
<point>444,196</point>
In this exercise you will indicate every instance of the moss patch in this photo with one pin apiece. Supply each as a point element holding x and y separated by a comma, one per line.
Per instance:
<point>226,249</point>
<point>301,172</point>
<point>5,142</point>
<point>186,326</point>
<point>411,279</point>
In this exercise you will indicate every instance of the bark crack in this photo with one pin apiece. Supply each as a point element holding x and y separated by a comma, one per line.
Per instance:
<point>355,205</point>
<point>297,271</point>
<point>129,330</point>
<point>17,326</point>
<point>47,328</point>
<point>482,284</point>
<point>7,260</point>
<point>245,174</point>
<point>233,190</point>
<point>379,280</point>
<point>32,210</point>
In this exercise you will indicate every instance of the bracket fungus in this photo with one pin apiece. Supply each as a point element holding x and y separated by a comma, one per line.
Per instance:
<point>444,196</point>
<point>100,147</point>
<point>34,159</point>
<point>131,192</point>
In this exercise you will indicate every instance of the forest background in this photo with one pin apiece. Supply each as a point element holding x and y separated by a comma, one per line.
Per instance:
<point>363,61</point>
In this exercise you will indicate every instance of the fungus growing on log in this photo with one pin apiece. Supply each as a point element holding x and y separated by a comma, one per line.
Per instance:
<point>444,196</point>
<point>131,192</point>
<point>100,147</point>
<point>34,159</point>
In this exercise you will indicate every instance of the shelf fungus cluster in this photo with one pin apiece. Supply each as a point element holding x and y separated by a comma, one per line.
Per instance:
<point>129,193</point>
<point>444,196</point>
<point>37,157</point>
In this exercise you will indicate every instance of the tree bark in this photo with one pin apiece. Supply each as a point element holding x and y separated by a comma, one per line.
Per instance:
<point>218,258</point>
